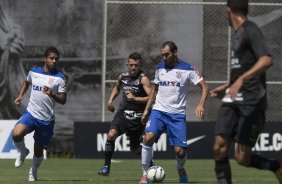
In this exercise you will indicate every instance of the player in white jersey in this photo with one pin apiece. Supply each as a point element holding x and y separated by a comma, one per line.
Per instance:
<point>48,86</point>
<point>168,99</point>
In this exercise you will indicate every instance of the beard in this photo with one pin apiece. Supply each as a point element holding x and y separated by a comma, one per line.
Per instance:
<point>171,61</point>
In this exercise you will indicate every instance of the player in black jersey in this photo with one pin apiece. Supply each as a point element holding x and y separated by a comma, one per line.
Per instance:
<point>135,86</point>
<point>242,114</point>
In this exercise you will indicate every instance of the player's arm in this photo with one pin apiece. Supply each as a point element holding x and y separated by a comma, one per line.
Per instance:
<point>23,89</point>
<point>151,101</point>
<point>263,63</point>
<point>114,94</point>
<point>199,111</point>
<point>145,81</point>
<point>219,91</point>
<point>59,97</point>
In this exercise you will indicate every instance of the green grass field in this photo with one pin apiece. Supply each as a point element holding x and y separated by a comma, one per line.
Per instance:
<point>83,171</point>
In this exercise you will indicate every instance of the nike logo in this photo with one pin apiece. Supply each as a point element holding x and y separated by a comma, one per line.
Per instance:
<point>193,140</point>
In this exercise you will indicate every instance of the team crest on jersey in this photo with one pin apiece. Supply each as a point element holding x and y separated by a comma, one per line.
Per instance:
<point>178,74</point>
<point>51,80</point>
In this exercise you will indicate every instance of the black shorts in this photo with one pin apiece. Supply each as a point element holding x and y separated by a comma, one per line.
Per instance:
<point>241,123</point>
<point>132,127</point>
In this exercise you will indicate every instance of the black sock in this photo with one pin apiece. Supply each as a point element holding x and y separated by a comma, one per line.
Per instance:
<point>260,162</point>
<point>223,171</point>
<point>109,150</point>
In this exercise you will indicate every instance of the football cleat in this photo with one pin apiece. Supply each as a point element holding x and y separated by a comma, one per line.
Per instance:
<point>20,160</point>
<point>104,171</point>
<point>143,179</point>
<point>278,172</point>
<point>32,175</point>
<point>183,178</point>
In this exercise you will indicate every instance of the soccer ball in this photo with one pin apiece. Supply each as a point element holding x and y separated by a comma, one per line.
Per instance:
<point>155,174</point>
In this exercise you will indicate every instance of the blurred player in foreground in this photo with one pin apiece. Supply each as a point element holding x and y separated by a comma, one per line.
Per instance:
<point>168,102</point>
<point>135,86</point>
<point>242,114</point>
<point>48,86</point>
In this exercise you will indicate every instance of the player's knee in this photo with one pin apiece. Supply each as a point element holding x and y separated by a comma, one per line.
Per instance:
<point>17,135</point>
<point>180,152</point>
<point>220,151</point>
<point>242,159</point>
<point>149,138</point>
<point>112,135</point>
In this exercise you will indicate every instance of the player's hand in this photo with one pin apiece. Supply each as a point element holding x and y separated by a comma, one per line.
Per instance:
<point>18,101</point>
<point>47,90</point>
<point>219,91</point>
<point>199,112</point>
<point>130,96</point>
<point>145,117</point>
<point>111,107</point>
<point>234,88</point>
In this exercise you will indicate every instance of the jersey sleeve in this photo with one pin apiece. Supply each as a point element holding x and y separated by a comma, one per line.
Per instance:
<point>195,76</point>
<point>156,79</point>
<point>62,88</point>
<point>257,41</point>
<point>28,77</point>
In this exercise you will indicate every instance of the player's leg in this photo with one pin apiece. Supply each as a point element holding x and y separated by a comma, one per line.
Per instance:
<point>250,127</point>
<point>224,131</point>
<point>117,127</point>
<point>177,135</point>
<point>23,127</point>
<point>18,134</point>
<point>153,129</point>
<point>42,136</point>
<point>222,164</point>
<point>109,151</point>
<point>36,162</point>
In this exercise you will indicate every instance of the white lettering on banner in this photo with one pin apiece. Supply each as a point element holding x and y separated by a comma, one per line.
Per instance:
<point>7,148</point>
<point>101,141</point>
<point>122,143</point>
<point>161,145</point>
<point>267,143</point>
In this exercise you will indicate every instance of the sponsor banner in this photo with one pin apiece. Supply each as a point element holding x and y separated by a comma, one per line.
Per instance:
<point>90,138</point>
<point>7,148</point>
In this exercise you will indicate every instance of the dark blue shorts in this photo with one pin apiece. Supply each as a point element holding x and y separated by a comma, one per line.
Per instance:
<point>43,130</point>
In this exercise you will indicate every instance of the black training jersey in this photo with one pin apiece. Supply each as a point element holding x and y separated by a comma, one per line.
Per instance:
<point>132,84</point>
<point>247,47</point>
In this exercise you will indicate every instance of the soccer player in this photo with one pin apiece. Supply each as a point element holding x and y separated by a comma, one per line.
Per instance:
<point>48,86</point>
<point>168,98</point>
<point>241,116</point>
<point>135,86</point>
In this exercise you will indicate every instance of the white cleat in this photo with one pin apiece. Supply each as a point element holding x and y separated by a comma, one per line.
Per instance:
<point>32,175</point>
<point>20,160</point>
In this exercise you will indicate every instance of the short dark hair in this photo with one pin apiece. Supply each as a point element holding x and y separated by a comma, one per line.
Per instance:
<point>135,56</point>
<point>240,7</point>
<point>51,49</point>
<point>172,46</point>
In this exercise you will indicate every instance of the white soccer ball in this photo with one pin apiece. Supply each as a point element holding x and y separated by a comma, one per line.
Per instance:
<point>155,174</point>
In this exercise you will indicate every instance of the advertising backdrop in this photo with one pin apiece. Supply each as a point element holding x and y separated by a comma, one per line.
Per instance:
<point>90,138</point>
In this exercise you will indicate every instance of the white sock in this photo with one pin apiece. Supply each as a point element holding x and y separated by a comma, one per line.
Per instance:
<point>20,145</point>
<point>146,156</point>
<point>181,161</point>
<point>36,161</point>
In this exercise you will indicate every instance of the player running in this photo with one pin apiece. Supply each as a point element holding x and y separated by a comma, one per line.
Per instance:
<point>135,86</point>
<point>241,116</point>
<point>48,86</point>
